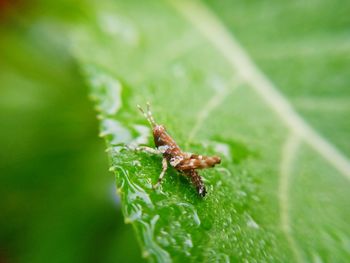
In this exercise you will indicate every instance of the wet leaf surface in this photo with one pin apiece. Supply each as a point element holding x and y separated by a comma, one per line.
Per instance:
<point>281,192</point>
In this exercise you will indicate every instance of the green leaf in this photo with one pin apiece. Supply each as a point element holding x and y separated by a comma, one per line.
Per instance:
<point>281,192</point>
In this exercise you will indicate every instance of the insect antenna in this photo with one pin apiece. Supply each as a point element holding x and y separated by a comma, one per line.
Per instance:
<point>148,115</point>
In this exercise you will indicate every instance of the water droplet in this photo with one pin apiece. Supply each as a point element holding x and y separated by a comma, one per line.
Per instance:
<point>136,163</point>
<point>255,198</point>
<point>187,245</point>
<point>143,135</point>
<point>251,223</point>
<point>118,133</point>
<point>194,213</point>
<point>188,241</point>
<point>134,214</point>
<point>241,193</point>
<point>224,170</point>
<point>151,245</point>
<point>163,238</point>
<point>136,192</point>
<point>106,90</point>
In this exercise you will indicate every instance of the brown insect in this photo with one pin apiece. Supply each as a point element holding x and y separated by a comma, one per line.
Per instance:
<point>186,163</point>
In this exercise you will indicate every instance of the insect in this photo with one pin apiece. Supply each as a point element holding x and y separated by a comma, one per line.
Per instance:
<point>184,162</point>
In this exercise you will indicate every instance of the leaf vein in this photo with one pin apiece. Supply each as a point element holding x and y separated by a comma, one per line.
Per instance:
<point>289,152</point>
<point>212,104</point>
<point>216,33</point>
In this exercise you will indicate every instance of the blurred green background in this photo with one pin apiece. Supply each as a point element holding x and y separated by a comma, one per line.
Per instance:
<point>58,201</point>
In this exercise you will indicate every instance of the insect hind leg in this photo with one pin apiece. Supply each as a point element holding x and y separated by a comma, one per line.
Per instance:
<point>197,182</point>
<point>161,176</point>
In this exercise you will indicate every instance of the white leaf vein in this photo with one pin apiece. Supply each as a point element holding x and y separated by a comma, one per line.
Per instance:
<point>289,154</point>
<point>224,41</point>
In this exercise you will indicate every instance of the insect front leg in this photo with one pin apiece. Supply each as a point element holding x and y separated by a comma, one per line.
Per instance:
<point>148,150</point>
<point>165,167</point>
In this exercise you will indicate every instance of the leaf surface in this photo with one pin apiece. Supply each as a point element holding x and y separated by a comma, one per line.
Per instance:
<point>281,192</point>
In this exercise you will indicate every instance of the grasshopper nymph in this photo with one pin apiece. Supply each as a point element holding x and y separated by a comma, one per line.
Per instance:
<point>184,162</point>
